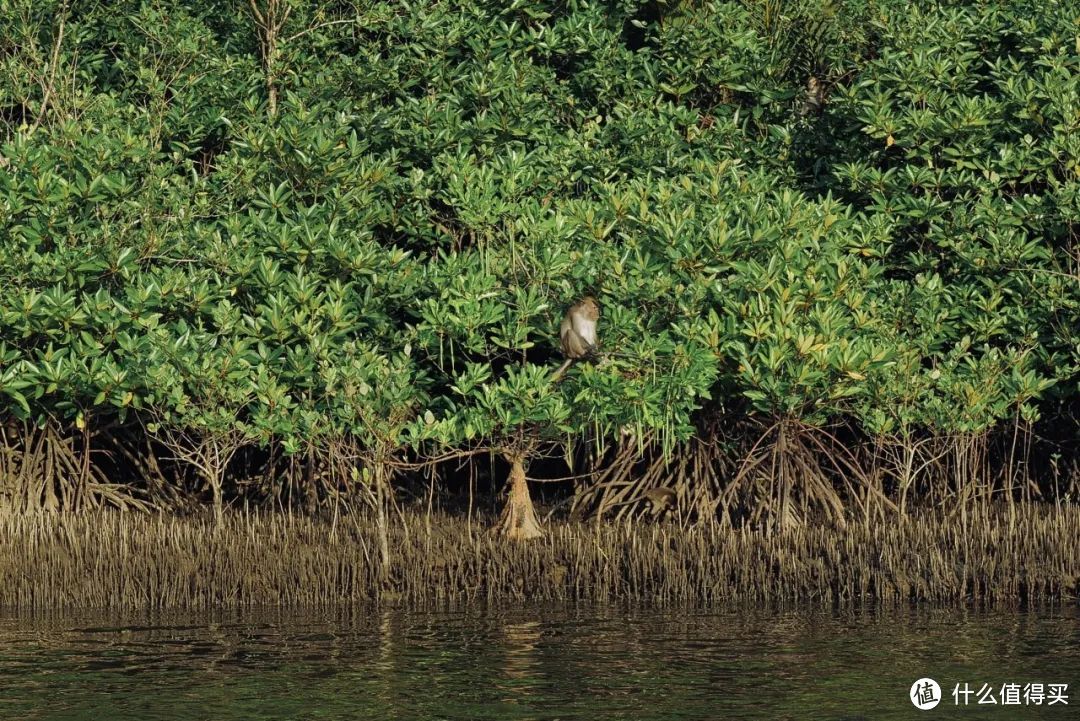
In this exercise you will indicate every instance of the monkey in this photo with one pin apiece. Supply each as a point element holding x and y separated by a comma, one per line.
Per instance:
<point>661,501</point>
<point>813,97</point>
<point>577,334</point>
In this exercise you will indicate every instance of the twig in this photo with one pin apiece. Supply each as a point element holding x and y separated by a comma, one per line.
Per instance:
<point>46,96</point>
<point>320,26</point>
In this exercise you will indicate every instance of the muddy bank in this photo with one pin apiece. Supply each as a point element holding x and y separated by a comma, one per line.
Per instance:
<point>132,561</point>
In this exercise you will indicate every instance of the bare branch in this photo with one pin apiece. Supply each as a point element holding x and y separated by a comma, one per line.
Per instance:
<point>255,11</point>
<point>320,26</point>
<point>46,96</point>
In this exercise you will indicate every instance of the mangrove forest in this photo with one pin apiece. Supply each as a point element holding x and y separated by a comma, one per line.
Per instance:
<point>763,301</point>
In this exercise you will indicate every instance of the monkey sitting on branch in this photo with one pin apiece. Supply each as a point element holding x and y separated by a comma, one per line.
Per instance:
<point>577,334</point>
<point>813,98</point>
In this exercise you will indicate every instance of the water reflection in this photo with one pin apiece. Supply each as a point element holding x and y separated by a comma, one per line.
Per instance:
<point>547,663</point>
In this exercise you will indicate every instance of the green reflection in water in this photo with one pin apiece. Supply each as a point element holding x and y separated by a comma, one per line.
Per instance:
<point>543,663</point>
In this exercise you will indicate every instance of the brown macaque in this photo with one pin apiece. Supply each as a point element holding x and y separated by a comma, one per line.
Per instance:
<point>813,97</point>
<point>577,334</point>
<point>662,501</point>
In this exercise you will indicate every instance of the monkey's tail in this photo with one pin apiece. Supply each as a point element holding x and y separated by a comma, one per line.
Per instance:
<point>562,369</point>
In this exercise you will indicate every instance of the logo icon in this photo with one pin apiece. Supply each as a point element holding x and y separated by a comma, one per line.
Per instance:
<point>925,694</point>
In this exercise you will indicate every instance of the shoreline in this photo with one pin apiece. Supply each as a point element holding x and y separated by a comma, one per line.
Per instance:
<point>122,562</point>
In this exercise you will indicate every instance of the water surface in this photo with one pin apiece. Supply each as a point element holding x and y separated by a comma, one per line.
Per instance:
<point>537,663</point>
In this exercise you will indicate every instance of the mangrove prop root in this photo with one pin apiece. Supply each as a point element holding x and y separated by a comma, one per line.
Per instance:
<point>139,562</point>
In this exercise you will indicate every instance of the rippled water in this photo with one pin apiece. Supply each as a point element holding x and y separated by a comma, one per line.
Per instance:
<point>545,663</point>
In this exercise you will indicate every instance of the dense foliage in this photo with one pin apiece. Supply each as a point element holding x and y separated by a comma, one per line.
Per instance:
<point>326,238</point>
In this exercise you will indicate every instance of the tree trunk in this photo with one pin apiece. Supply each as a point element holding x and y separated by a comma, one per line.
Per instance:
<point>219,502</point>
<point>381,500</point>
<point>519,519</point>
